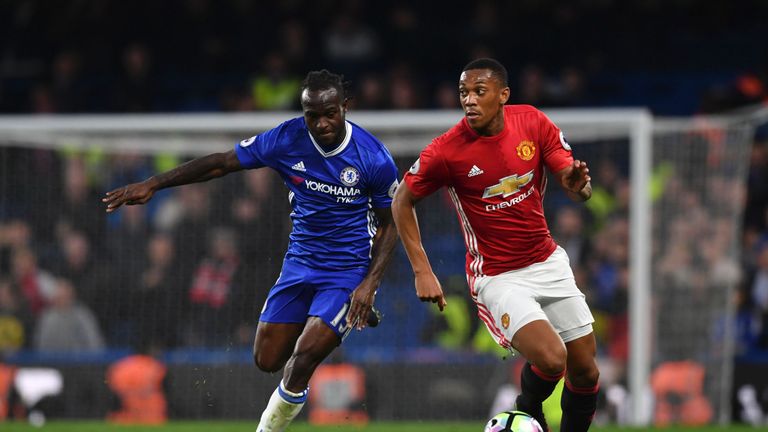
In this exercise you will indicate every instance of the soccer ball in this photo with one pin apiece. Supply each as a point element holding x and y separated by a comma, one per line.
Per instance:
<point>513,421</point>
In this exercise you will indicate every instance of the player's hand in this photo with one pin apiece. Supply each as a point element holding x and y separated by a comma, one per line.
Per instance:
<point>578,177</point>
<point>361,301</point>
<point>135,193</point>
<point>429,290</point>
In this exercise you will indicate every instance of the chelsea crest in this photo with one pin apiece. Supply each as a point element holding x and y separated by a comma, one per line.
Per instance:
<point>349,176</point>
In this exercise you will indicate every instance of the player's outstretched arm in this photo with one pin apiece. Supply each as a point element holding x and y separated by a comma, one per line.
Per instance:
<point>575,180</point>
<point>383,248</point>
<point>197,170</point>
<point>428,288</point>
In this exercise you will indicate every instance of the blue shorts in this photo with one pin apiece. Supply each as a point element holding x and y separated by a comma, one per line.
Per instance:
<point>301,292</point>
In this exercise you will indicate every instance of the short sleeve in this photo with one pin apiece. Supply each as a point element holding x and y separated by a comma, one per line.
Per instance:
<point>384,183</point>
<point>258,151</point>
<point>557,152</point>
<point>428,174</point>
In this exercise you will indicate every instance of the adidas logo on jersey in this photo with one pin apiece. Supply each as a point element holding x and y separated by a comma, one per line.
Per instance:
<point>475,171</point>
<point>299,166</point>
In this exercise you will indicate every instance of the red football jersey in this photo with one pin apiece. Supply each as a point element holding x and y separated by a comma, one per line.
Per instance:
<point>497,185</point>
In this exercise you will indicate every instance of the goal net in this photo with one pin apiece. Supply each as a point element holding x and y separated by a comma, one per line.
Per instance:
<point>655,251</point>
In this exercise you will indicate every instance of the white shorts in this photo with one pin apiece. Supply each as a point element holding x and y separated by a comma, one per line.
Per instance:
<point>541,291</point>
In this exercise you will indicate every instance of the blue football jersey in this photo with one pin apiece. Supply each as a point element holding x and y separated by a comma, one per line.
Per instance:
<point>332,194</point>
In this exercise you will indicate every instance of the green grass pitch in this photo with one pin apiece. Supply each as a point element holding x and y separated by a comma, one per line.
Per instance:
<point>211,426</point>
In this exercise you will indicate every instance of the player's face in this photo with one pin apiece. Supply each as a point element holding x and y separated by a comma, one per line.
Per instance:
<point>482,98</point>
<point>324,112</point>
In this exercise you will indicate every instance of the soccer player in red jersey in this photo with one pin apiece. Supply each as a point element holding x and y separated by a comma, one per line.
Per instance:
<point>493,163</point>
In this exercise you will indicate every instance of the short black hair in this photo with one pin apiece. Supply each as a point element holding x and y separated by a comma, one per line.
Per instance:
<point>497,69</point>
<point>323,79</point>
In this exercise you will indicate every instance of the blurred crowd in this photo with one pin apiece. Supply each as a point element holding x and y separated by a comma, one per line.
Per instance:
<point>190,269</point>
<point>238,55</point>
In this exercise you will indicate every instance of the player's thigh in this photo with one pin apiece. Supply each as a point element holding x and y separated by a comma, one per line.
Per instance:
<point>538,342</point>
<point>331,300</point>
<point>274,343</point>
<point>513,316</point>
<point>283,316</point>
<point>330,307</point>
<point>290,298</point>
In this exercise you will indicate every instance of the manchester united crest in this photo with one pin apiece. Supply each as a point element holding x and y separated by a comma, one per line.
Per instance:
<point>505,320</point>
<point>526,149</point>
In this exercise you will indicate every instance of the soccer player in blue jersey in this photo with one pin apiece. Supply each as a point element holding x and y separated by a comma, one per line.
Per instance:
<point>341,180</point>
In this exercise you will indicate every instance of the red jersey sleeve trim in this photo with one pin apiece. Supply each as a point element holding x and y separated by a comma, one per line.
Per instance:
<point>562,166</point>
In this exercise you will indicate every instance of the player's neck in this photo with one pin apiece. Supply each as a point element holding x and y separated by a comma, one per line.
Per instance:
<point>331,147</point>
<point>495,127</point>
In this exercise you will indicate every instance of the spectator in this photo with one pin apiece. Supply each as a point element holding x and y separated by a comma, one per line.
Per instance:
<point>350,45</point>
<point>136,88</point>
<point>533,87</point>
<point>372,93</point>
<point>570,233</point>
<point>404,89</point>
<point>157,301</point>
<point>405,39</point>
<point>37,285</point>
<point>275,88</point>
<point>15,320</point>
<point>214,293</point>
<point>67,325</point>
<point>14,234</point>
<point>127,241</point>
<point>80,264</point>
<point>445,96</point>
<point>293,44</point>
<point>79,207</point>
<point>569,90</point>
<point>68,93</point>
<point>187,210</point>
<point>41,100</point>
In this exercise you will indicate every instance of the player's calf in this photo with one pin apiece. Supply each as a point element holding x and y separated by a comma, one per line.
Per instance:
<point>536,387</point>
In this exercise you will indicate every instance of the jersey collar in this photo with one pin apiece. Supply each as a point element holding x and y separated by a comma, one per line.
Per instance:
<point>340,148</point>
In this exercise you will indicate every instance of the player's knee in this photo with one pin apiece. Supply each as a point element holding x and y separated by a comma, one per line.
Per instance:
<point>552,361</point>
<point>586,375</point>
<point>265,362</point>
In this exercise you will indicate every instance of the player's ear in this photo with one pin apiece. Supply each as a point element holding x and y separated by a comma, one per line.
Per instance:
<point>504,95</point>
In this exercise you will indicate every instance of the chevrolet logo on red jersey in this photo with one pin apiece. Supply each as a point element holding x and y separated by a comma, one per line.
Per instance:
<point>508,185</point>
